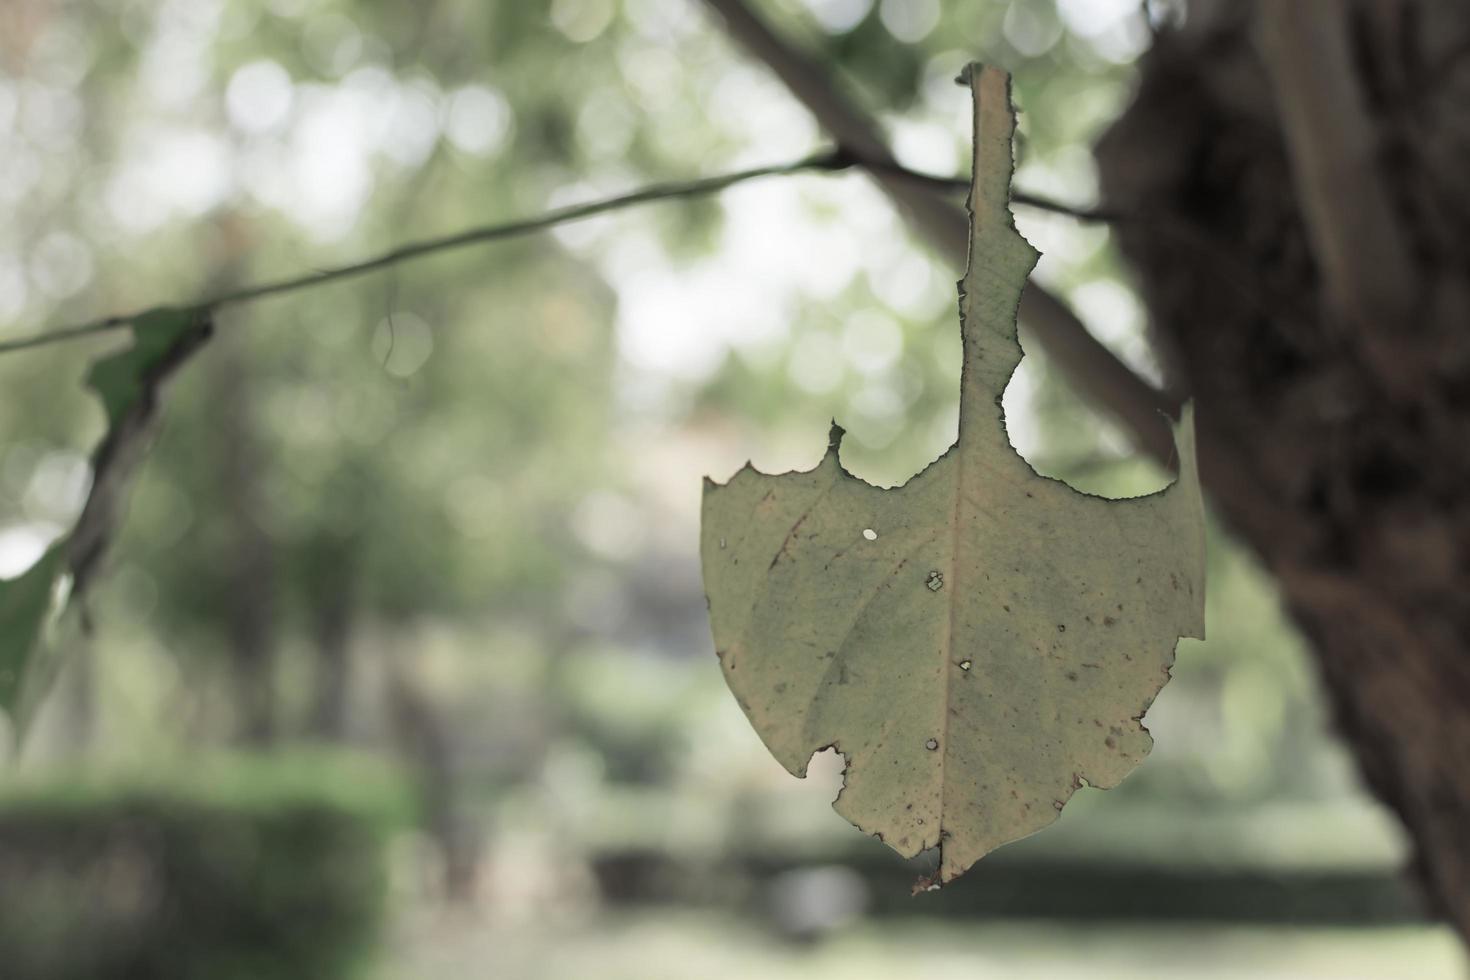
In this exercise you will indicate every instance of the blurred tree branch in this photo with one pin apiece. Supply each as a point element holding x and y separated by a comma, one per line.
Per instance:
<point>1090,367</point>
<point>1335,152</point>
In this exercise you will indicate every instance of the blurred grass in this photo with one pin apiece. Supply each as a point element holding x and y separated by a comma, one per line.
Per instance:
<point>672,944</point>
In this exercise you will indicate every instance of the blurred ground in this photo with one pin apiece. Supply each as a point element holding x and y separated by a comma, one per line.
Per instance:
<point>680,944</point>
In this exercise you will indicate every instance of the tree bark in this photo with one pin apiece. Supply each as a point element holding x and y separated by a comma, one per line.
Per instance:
<point>1324,325</point>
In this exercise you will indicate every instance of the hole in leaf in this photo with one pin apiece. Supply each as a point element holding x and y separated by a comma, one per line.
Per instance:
<point>870,534</point>
<point>824,774</point>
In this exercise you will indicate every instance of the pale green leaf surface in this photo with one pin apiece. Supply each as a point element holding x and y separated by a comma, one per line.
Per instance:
<point>978,642</point>
<point>26,605</point>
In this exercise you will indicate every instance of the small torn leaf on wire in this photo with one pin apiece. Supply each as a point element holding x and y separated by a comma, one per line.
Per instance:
<point>128,384</point>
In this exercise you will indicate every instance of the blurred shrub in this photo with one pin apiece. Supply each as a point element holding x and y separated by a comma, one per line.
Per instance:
<point>267,870</point>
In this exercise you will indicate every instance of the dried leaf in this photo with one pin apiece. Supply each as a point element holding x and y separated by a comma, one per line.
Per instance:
<point>978,642</point>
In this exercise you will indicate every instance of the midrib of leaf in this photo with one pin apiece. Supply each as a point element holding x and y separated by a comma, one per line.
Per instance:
<point>994,125</point>
<point>952,585</point>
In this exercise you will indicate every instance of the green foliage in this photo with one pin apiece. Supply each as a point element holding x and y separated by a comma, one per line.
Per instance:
<point>979,641</point>
<point>237,871</point>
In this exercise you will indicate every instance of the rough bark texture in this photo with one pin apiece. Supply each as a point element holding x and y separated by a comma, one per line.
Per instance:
<point>1347,425</point>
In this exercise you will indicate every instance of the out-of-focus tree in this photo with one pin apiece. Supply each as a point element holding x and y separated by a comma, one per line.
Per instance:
<point>346,474</point>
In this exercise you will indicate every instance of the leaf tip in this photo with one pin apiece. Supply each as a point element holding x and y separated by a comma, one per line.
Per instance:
<point>834,436</point>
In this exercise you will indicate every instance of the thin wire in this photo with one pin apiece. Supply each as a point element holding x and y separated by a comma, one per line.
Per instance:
<point>830,161</point>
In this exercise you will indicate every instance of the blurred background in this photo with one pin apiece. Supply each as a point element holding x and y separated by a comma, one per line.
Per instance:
<point>404,638</point>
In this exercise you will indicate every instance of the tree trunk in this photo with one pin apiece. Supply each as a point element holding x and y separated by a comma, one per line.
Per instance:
<point>1298,194</point>
<point>333,673</point>
<point>332,608</point>
<point>428,743</point>
<point>249,605</point>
